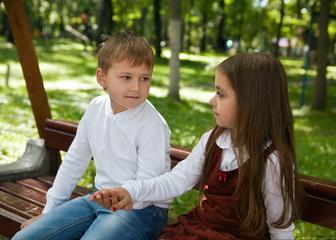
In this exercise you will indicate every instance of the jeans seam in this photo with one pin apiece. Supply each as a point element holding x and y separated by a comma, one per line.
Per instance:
<point>81,220</point>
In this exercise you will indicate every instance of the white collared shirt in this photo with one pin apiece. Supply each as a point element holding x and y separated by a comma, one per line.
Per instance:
<point>130,145</point>
<point>188,172</point>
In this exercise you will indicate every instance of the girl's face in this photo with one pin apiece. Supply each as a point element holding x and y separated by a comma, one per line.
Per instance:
<point>128,86</point>
<point>224,102</point>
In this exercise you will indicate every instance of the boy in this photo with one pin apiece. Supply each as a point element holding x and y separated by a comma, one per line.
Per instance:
<point>128,140</point>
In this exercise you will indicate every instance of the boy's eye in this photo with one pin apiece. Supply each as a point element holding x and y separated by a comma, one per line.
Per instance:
<point>219,94</point>
<point>126,77</point>
<point>145,78</point>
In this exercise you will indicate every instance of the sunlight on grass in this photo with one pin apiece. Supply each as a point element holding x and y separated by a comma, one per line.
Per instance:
<point>158,92</point>
<point>68,85</point>
<point>197,94</point>
<point>209,59</point>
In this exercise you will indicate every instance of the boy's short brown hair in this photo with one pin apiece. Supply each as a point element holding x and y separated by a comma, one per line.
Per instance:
<point>125,46</point>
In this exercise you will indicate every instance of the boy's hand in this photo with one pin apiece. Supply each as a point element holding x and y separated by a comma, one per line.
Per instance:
<point>114,199</point>
<point>30,221</point>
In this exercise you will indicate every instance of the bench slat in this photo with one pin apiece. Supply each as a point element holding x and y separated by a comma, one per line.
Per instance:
<point>57,139</point>
<point>319,211</point>
<point>34,184</point>
<point>318,186</point>
<point>10,223</point>
<point>19,206</point>
<point>63,125</point>
<point>30,195</point>
<point>79,190</point>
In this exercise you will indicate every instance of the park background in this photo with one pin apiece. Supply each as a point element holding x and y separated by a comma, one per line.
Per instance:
<point>190,38</point>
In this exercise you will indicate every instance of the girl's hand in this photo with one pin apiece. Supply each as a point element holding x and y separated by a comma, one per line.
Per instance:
<point>30,221</point>
<point>114,199</point>
<point>104,197</point>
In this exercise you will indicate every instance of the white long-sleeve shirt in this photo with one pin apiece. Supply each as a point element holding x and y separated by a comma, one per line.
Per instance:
<point>188,172</point>
<point>130,145</point>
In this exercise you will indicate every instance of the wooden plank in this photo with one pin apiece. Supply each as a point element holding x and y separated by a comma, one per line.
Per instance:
<point>10,223</point>
<point>64,125</point>
<point>34,184</point>
<point>319,211</point>
<point>30,195</point>
<point>79,190</point>
<point>26,52</point>
<point>57,139</point>
<point>44,183</point>
<point>317,186</point>
<point>18,206</point>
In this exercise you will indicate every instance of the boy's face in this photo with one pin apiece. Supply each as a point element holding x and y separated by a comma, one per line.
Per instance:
<point>128,86</point>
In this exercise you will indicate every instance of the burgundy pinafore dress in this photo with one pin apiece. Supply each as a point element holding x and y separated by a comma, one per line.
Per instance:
<point>215,218</point>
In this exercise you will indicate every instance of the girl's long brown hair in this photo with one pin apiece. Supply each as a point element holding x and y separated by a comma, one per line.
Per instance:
<point>263,114</point>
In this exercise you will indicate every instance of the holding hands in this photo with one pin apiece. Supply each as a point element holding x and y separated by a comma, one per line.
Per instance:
<point>113,198</point>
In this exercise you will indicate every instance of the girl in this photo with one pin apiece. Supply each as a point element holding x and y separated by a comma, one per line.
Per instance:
<point>246,165</point>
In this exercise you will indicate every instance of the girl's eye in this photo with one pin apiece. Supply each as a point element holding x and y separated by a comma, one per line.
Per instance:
<point>126,77</point>
<point>219,94</point>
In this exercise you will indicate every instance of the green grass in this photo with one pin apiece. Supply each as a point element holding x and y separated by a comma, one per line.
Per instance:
<point>69,78</point>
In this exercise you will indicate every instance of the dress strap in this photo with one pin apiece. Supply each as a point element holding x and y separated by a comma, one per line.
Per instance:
<point>268,151</point>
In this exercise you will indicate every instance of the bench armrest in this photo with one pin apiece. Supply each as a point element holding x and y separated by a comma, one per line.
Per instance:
<point>34,162</point>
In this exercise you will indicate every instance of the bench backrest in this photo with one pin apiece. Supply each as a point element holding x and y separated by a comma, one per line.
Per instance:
<point>320,194</point>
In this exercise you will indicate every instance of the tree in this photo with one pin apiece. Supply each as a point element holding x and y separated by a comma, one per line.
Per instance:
<point>105,22</point>
<point>242,6</point>
<point>157,22</point>
<point>204,11</point>
<point>220,42</point>
<point>282,13</point>
<point>189,25</point>
<point>320,93</point>
<point>175,47</point>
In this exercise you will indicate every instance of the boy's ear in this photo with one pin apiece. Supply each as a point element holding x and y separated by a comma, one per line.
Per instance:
<point>100,75</point>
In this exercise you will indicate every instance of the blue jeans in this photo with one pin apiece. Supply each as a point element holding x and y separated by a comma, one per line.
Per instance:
<point>81,219</point>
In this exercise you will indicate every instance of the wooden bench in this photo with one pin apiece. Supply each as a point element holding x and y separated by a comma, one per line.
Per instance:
<point>22,199</point>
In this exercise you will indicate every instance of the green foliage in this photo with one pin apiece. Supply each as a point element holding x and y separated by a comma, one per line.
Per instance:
<point>69,79</point>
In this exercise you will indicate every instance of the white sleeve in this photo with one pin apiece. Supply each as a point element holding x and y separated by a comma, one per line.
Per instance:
<point>153,151</point>
<point>71,170</point>
<point>181,179</point>
<point>273,200</point>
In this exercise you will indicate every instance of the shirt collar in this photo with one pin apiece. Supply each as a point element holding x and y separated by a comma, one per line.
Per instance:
<point>130,112</point>
<point>224,141</point>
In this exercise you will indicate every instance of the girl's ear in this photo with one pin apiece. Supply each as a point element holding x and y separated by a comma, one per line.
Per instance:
<point>100,75</point>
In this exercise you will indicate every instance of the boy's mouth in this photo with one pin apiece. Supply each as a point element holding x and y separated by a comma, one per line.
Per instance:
<point>133,97</point>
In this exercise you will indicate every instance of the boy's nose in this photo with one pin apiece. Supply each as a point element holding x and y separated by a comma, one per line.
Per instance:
<point>135,86</point>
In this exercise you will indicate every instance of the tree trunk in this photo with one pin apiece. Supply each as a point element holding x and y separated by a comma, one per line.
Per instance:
<point>189,28</point>
<point>142,23</point>
<point>276,45</point>
<point>320,93</point>
<point>220,44</point>
<point>204,25</point>
<point>60,14</point>
<point>158,25</point>
<point>105,22</point>
<point>175,47</point>
<point>240,25</point>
